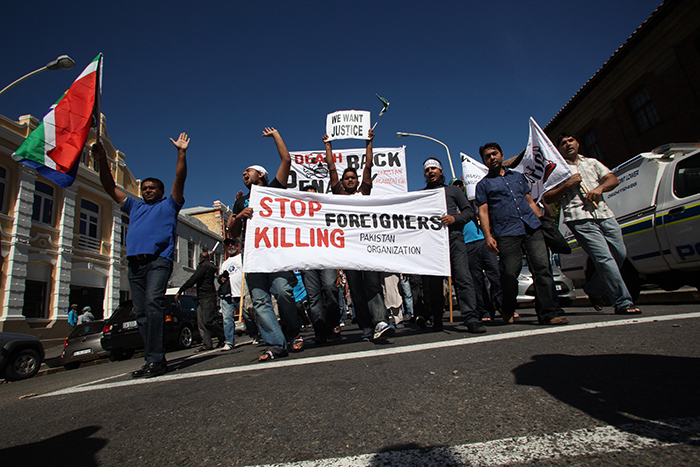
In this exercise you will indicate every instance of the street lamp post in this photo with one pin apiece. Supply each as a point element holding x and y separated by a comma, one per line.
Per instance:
<point>449,158</point>
<point>63,61</point>
<point>401,134</point>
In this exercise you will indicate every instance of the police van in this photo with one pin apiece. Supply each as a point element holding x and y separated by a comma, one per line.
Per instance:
<point>657,204</point>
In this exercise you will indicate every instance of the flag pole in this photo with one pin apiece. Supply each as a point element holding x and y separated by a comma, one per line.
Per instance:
<point>385,103</point>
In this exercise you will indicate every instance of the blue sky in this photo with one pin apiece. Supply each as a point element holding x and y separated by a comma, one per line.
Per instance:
<point>464,72</point>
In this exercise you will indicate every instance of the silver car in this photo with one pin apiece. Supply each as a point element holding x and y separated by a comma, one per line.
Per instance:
<point>83,344</point>
<point>563,285</point>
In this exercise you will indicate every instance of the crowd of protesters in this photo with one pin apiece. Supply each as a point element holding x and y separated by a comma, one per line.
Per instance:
<point>488,239</point>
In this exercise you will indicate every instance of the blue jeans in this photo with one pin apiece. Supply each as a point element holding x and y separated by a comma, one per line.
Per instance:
<point>602,240</point>
<point>405,288</point>
<point>261,285</point>
<point>324,310</point>
<point>227,311</point>
<point>511,263</point>
<point>148,281</point>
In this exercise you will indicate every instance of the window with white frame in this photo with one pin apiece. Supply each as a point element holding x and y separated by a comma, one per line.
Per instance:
<point>89,225</point>
<point>43,203</point>
<point>190,254</point>
<point>125,229</point>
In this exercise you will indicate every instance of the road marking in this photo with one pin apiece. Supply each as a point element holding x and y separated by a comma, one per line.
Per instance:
<point>369,353</point>
<point>583,442</point>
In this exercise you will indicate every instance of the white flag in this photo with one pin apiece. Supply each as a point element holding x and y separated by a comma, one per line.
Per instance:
<point>542,164</point>
<point>472,172</point>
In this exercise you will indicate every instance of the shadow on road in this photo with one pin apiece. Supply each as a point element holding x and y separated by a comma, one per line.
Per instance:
<point>409,455</point>
<point>74,448</point>
<point>621,389</point>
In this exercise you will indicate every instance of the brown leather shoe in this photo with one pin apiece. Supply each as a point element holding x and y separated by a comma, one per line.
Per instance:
<point>557,320</point>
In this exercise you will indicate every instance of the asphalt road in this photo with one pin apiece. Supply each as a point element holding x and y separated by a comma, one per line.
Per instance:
<point>603,390</point>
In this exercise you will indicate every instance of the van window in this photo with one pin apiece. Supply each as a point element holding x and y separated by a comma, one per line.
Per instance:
<point>687,177</point>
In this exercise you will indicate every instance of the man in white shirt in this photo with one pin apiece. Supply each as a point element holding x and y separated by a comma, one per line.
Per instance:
<point>593,224</point>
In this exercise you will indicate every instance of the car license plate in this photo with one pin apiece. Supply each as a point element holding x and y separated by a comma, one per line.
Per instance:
<point>82,352</point>
<point>129,325</point>
<point>559,288</point>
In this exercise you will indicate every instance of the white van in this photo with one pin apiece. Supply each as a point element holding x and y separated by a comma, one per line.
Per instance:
<point>657,204</point>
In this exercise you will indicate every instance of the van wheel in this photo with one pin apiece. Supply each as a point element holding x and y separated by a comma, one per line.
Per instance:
<point>185,338</point>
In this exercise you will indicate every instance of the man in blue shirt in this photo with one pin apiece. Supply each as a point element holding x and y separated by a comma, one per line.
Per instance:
<point>150,248</point>
<point>504,201</point>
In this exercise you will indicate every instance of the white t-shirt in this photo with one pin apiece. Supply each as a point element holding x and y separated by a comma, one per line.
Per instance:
<point>234,266</point>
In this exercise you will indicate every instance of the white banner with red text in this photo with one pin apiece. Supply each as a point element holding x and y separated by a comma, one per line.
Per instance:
<point>399,233</point>
<point>309,168</point>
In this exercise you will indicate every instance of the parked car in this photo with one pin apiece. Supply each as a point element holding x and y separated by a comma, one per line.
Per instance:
<point>563,285</point>
<point>20,355</point>
<point>83,344</point>
<point>121,336</point>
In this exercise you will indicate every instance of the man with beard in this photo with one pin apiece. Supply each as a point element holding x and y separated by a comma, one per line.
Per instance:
<point>504,201</point>
<point>458,213</point>
<point>261,285</point>
<point>150,248</point>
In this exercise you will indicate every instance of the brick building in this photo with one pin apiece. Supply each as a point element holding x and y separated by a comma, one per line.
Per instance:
<point>647,94</point>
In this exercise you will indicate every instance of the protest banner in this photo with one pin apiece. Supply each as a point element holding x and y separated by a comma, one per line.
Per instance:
<point>348,124</point>
<point>400,233</point>
<point>542,164</point>
<point>472,172</point>
<point>388,172</point>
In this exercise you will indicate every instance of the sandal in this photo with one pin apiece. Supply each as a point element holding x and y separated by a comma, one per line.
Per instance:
<point>298,343</point>
<point>267,356</point>
<point>203,349</point>
<point>628,310</point>
<point>597,302</point>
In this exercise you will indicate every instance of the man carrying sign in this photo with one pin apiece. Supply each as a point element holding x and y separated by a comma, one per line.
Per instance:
<point>458,213</point>
<point>366,292</point>
<point>277,283</point>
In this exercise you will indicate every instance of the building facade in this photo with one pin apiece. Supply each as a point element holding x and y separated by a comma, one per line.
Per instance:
<point>646,95</point>
<point>67,245</point>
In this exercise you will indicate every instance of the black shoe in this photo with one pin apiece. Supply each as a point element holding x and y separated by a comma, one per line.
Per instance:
<point>420,321</point>
<point>475,327</point>
<point>156,369</point>
<point>140,372</point>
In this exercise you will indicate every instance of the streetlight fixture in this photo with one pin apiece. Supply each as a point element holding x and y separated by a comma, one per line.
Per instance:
<point>62,61</point>
<point>401,134</point>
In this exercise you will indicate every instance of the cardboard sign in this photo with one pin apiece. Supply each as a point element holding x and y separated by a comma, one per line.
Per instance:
<point>348,124</point>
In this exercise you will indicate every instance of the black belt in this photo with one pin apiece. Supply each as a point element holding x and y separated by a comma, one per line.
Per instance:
<point>142,258</point>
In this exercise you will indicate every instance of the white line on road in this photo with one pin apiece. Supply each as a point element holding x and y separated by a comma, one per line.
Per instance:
<point>369,353</point>
<point>583,442</point>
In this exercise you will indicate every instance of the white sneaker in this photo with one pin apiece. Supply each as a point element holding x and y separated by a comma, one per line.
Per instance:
<point>383,331</point>
<point>227,347</point>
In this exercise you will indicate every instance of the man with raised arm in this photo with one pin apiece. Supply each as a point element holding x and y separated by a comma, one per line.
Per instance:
<point>150,248</point>
<point>366,292</point>
<point>593,224</point>
<point>261,285</point>
<point>504,201</point>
